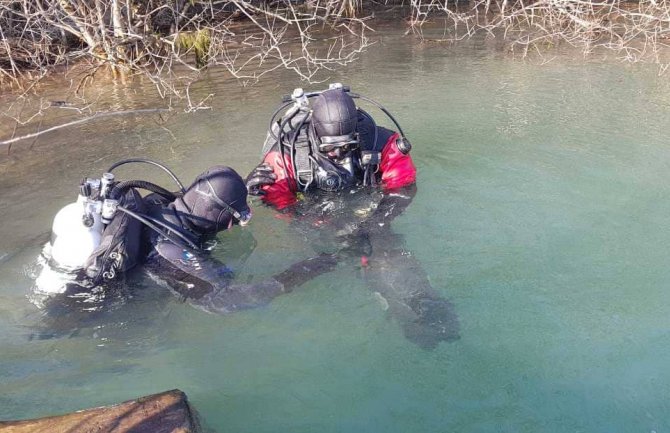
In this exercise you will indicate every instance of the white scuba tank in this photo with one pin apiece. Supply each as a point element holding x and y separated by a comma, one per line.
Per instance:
<point>76,233</point>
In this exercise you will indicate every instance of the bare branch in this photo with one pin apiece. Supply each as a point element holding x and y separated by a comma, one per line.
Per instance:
<point>98,115</point>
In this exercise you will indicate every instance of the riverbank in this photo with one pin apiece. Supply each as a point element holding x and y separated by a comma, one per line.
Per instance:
<point>251,38</point>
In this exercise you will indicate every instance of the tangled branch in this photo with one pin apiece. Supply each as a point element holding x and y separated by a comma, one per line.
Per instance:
<point>636,31</point>
<point>171,41</point>
<point>157,38</point>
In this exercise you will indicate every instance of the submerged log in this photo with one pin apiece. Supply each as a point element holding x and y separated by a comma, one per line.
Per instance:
<point>167,412</point>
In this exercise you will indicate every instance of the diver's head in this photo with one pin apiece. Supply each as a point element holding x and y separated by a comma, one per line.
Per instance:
<point>334,121</point>
<point>215,201</point>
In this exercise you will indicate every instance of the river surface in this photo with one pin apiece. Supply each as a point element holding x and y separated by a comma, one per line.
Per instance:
<point>541,214</point>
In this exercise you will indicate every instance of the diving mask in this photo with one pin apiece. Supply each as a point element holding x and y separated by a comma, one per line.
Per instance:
<point>344,142</point>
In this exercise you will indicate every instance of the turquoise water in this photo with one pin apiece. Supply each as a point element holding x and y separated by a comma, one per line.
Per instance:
<point>541,214</point>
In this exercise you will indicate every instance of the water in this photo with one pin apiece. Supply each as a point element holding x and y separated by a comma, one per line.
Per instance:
<point>541,213</point>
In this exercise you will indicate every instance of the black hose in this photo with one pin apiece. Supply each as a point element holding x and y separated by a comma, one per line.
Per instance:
<point>187,244</point>
<point>151,162</point>
<point>272,119</point>
<point>381,107</point>
<point>167,227</point>
<point>120,189</point>
<point>371,119</point>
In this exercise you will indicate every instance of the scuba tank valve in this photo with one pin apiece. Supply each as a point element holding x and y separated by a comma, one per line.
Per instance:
<point>105,184</point>
<point>109,207</point>
<point>93,210</point>
<point>299,98</point>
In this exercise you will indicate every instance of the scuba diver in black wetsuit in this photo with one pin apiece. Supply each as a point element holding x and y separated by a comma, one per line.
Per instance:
<point>111,229</point>
<point>315,153</point>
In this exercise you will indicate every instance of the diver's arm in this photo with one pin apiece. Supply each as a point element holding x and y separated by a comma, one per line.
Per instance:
<point>392,204</point>
<point>397,168</point>
<point>259,177</point>
<point>209,285</point>
<point>398,176</point>
<point>273,180</point>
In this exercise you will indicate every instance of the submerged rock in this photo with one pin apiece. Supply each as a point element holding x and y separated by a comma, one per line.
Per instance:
<point>167,412</point>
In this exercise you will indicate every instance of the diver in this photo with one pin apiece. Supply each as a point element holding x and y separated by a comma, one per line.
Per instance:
<point>111,229</point>
<point>319,146</point>
<point>330,145</point>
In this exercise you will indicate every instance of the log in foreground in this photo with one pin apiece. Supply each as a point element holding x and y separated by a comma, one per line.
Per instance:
<point>167,412</point>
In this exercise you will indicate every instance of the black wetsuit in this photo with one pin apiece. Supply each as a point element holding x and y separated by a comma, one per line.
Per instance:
<point>206,283</point>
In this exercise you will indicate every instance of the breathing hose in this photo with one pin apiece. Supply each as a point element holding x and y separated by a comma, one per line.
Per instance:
<point>274,115</point>
<point>120,189</point>
<point>151,162</point>
<point>381,107</point>
<point>280,140</point>
<point>152,223</point>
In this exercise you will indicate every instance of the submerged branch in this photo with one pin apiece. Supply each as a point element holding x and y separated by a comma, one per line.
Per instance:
<point>95,116</point>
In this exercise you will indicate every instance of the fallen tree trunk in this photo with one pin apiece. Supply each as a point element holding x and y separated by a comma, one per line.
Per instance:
<point>167,412</point>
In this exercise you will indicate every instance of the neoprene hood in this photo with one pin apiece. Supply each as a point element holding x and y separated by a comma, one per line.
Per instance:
<point>334,116</point>
<point>209,203</point>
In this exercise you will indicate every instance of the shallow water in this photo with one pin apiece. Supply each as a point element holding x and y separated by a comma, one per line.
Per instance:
<point>541,214</point>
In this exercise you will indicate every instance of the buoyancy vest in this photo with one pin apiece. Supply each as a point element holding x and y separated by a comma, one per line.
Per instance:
<point>120,247</point>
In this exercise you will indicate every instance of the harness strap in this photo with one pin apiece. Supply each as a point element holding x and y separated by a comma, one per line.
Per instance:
<point>303,163</point>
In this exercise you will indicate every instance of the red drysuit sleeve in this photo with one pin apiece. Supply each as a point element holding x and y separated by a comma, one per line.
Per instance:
<point>397,168</point>
<point>281,193</point>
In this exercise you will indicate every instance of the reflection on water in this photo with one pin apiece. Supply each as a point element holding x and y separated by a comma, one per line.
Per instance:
<point>540,215</point>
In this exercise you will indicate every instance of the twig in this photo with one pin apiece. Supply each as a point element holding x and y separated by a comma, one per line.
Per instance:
<point>98,115</point>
